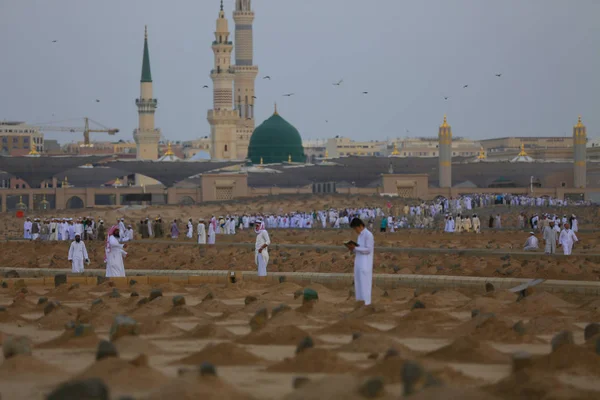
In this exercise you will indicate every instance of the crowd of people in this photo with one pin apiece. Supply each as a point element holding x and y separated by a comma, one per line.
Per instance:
<point>556,232</point>
<point>457,213</point>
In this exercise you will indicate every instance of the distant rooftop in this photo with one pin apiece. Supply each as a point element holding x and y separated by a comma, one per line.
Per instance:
<point>12,123</point>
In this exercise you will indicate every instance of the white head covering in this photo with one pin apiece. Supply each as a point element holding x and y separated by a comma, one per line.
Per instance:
<point>259,225</point>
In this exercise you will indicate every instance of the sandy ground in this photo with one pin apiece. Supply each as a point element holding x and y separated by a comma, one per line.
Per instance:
<point>463,339</point>
<point>470,355</point>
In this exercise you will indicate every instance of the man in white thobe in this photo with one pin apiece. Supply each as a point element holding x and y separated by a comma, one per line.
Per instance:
<point>128,235</point>
<point>27,229</point>
<point>212,234</point>
<point>566,239</point>
<point>53,230</point>
<point>550,238</point>
<point>531,244</point>
<point>476,224</point>
<point>35,229</point>
<point>201,232</point>
<point>78,255</point>
<point>149,224</point>
<point>574,223</point>
<point>114,254</point>
<point>261,254</point>
<point>122,229</point>
<point>363,261</point>
<point>190,229</point>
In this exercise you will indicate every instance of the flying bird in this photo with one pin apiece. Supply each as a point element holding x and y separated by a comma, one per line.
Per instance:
<point>288,94</point>
<point>54,41</point>
<point>97,101</point>
<point>267,77</point>
<point>465,86</point>
<point>365,92</point>
<point>254,97</point>
<point>498,75</point>
<point>205,87</point>
<point>326,121</point>
<point>338,83</point>
<point>446,97</point>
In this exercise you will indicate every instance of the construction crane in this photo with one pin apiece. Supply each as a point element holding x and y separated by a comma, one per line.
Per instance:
<point>86,130</point>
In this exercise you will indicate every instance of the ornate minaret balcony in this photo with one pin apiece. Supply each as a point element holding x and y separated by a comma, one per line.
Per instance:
<point>146,106</point>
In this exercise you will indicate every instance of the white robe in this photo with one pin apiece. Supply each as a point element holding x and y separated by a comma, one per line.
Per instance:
<point>77,255</point>
<point>27,229</point>
<point>363,266</point>
<point>575,225</point>
<point>212,236</point>
<point>127,235</point>
<point>190,230</point>
<point>262,258</point>
<point>566,239</point>
<point>122,230</point>
<point>201,233</point>
<point>53,231</point>
<point>114,258</point>
<point>532,243</point>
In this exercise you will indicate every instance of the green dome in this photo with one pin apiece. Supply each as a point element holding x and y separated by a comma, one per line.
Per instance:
<point>275,140</point>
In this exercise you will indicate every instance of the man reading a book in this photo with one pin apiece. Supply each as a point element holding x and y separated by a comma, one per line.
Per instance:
<point>363,249</point>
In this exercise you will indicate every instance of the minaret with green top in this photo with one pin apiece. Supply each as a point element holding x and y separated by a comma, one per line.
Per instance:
<point>146,136</point>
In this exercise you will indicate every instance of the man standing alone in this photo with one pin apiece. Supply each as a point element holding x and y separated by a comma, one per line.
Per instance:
<point>77,255</point>
<point>363,262</point>
<point>262,243</point>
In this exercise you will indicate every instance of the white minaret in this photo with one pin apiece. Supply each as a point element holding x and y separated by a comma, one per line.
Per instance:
<point>245,73</point>
<point>223,118</point>
<point>146,136</point>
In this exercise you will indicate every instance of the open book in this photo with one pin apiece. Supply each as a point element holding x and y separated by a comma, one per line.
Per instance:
<point>350,243</point>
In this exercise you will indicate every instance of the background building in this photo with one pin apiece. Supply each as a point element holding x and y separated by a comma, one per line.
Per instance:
<point>531,143</point>
<point>342,147</point>
<point>18,138</point>
<point>429,147</point>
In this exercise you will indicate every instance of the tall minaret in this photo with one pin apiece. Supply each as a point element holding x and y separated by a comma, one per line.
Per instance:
<point>146,136</point>
<point>223,118</point>
<point>579,155</point>
<point>445,157</point>
<point>245,73</point>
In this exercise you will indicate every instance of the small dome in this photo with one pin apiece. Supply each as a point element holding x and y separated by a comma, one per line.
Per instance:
<point>275,141</point>
<point>200,156</point>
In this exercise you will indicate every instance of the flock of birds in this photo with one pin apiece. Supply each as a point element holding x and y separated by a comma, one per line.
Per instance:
<point>339,83</point>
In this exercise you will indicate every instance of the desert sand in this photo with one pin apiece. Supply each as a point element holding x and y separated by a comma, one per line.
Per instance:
<point>254,340</point>
<point>355,349</point>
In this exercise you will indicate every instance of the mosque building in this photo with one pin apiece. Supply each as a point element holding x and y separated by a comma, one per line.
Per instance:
<point>276,141</point>
<point>232,133</point>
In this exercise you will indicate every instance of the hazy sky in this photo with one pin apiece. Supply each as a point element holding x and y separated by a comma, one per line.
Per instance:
<point>406,54</point>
